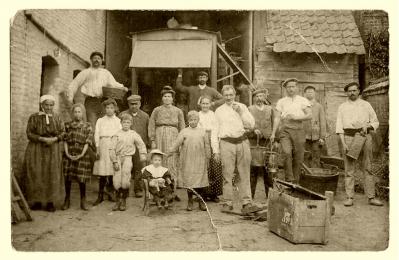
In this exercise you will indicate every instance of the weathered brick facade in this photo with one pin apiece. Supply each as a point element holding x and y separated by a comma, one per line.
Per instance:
<point>66,38</point>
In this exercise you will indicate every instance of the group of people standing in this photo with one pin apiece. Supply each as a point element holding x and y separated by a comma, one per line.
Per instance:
<point>214,147</point>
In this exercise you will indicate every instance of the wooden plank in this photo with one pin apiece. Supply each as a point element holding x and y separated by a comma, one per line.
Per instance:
<point>232,64</point>
<point>308,76</point>
<point>23,204</point>
<point>304,66</point>
<point>228,76</point>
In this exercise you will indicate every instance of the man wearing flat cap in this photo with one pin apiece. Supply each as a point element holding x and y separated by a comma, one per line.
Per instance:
<point>357,117</point>
<point>263,115</point>
<point>91,81</point>
<point>195,92</point>
<point>140,126</point>
<point>291,112</point>
<point>315,129</point>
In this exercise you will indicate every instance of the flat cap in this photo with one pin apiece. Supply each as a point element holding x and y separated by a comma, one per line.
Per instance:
<point>260,90</point>
<point>350,85</point>
<point>289,80</point>
<point>134,98</point>
<point>96,53</point>
<point>202,73</point>
<point>309,87</point>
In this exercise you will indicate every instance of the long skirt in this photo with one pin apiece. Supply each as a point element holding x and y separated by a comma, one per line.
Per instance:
<point>165,136</point>
<point>215,177</point>
<point>103,166</point>
<point>44,178</point>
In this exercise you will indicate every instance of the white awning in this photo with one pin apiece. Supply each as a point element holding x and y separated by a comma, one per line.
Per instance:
<point>172,54</point>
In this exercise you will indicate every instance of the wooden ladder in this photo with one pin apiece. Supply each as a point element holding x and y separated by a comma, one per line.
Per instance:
<point>19,207</point>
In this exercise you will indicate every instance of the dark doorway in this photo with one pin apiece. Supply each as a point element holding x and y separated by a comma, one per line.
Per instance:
<point>50,71</point>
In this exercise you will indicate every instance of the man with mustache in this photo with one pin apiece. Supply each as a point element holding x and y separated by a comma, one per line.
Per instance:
<point>91,81</point>
<point>291,112</point>
<point>357,116</point>
<point>195,92</point>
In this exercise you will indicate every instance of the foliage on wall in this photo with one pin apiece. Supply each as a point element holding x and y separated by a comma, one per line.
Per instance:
<point>377,44</point>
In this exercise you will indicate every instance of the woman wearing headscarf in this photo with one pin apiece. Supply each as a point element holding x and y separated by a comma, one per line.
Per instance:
<point>165,123</point>
<point>43,157</point>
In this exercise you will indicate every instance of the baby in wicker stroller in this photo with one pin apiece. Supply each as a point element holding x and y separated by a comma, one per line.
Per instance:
<point>158,182</point>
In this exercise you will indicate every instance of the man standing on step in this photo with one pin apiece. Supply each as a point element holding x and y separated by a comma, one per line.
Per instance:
<point>357,116</point>
<point>92,80</point>
<point>195,92</point>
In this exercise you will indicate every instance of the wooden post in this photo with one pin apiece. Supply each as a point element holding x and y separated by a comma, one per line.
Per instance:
<point>214,63</point>
<point>134,86</point>
<point>330,201</point>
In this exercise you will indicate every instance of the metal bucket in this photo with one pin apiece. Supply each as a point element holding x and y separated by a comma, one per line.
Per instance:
<point>320,180</point>
<point>258,154</point>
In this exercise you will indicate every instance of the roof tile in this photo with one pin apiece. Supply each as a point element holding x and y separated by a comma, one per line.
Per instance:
<point>328,31</point>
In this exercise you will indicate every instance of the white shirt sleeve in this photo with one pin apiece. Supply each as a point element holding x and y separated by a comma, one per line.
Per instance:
<point>97,133</point>
<point>279,106</point>
<point>78,81</point>
<point>339,128</point>
<point>373,117</point>
<point>111,80</point>
<point>247,119</point>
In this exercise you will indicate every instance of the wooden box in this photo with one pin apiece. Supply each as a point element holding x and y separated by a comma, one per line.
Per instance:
<point>298,214</point>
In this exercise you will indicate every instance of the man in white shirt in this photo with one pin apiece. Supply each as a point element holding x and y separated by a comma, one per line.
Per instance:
<point>357,116</point>
<point>234,122</point>
<point>291,111</point>
<point>91,81</point>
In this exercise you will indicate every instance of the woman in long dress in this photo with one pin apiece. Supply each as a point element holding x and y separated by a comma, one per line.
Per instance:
<point>43,157</point>
<point>208,121</point>
<point>165,123</point>
<point>194,157</point>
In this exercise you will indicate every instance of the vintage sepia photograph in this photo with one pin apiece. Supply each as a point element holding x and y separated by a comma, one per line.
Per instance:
<point>199,130</point>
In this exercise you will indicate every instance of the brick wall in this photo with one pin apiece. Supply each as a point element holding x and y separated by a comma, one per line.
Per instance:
<point>81,31</point>
<point>272,68</point>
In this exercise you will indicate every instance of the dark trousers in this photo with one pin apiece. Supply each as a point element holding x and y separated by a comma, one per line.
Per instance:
<point>136,173</point>
<point>94,109</point>
<point>257,171</point>
<point>313,158</point>
<point>293,149</point>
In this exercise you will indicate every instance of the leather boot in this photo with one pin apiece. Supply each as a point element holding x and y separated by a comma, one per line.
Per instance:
<point>118,200</point>
<point>190,200</point>
<point>111,192</point>
<point>124,193</point>
<point>82,188</point>
<point>101,186</point>
<point>67,201</point>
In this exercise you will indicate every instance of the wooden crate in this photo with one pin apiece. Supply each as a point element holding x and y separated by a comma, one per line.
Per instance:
<point>298,214</point>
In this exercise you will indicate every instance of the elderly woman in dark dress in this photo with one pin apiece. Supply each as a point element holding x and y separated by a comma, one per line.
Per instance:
<point>43,157</point>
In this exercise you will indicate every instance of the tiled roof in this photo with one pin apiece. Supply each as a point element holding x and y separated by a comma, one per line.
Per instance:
<point>323,31</point>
